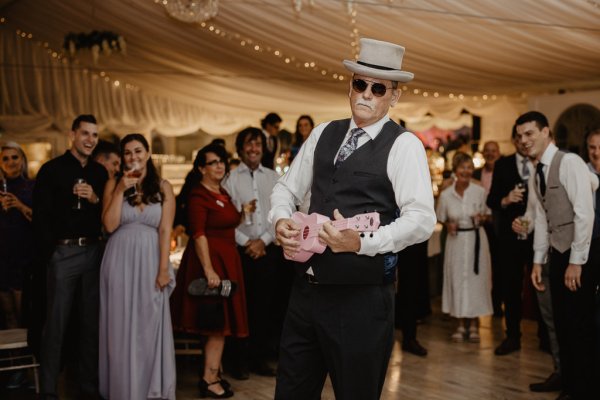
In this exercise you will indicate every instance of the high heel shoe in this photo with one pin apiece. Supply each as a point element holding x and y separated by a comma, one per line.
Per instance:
<point>206,392</point>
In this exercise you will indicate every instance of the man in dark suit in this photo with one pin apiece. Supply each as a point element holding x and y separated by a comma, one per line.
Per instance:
<point>508,200</point>
<point>270,126</point>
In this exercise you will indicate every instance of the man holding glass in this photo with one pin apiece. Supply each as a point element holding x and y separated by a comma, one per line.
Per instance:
<point>67,223</point>
<point>261,259</point>
<point>564,218</point>
<point>508,200</point>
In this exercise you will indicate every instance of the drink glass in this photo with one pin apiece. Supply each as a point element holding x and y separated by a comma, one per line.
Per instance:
<point>133,171</point>
<point>78,203</point>
<point>452,226</point>
<point>3,192</point>
<point>525,225</point>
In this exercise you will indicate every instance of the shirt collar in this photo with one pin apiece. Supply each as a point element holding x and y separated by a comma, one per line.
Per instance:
<point>519,158</point>
<point>374,129</point>
<point>244,168</point>
<point>549,154</point>
<point>591,167</point>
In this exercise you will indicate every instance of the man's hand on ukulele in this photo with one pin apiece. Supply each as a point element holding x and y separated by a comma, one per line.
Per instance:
<point>286,232</point>
<point>339,241</point>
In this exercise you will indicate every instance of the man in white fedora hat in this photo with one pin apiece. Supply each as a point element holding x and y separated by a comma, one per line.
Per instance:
<point>340,319</point>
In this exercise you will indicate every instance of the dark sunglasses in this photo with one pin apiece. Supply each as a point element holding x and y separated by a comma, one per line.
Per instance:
<point>378,89</point>
<point>14,157</point>
<point>215,162</point>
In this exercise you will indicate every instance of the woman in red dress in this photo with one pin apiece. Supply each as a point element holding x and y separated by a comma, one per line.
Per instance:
<point>211,253</point>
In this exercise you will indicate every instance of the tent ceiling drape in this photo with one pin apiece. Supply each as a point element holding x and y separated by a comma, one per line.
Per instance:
<point>190,77</point>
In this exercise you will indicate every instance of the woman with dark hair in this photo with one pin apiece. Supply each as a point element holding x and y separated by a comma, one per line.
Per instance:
<point>304,127</point>
<point>137,355</point>
<point>16,236</point>
<point>467,290</point>
<point>211,253</point>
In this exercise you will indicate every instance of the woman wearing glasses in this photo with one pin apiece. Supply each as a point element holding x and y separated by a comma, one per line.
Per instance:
<point>211,253</point>
<point>16,192</point>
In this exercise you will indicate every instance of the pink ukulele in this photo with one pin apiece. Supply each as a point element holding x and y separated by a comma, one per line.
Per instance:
<point>310,225</point>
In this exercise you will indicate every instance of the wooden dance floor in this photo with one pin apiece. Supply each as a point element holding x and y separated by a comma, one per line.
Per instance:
<point>451,371</point>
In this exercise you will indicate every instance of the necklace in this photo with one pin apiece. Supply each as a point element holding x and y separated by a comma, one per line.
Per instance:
<point>214,189</point>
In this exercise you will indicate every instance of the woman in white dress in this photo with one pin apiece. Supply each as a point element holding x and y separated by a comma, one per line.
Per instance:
<point>467,286</point>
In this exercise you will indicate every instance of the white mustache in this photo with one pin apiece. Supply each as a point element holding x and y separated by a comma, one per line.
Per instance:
<point>362,103</point>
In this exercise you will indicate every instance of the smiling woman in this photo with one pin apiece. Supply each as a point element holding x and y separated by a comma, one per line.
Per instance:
<point>136,280</point>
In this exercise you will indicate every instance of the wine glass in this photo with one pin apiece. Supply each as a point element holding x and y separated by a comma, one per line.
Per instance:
<point>78,204</point>
<point>133,170</point>
<point>525,227</point>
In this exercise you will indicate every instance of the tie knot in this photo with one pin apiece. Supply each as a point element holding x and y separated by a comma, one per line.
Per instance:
<point>539,167</point>
<point>356,132</point>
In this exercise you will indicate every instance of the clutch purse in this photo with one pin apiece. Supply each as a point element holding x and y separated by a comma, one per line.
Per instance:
<point>199,287</point>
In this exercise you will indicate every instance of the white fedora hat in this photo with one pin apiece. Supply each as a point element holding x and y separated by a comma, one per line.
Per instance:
<point>381,60</point>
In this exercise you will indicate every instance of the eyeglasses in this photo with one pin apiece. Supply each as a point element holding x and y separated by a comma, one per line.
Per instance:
<point>215,162</point>
<point>378,89</point>
<point>14,157</point>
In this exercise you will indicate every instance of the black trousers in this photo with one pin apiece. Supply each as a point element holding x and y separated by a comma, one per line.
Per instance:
<point>265,283</point>
<point>573,318</point>
<point>497,281</point>
<point>72,283</point>
<point>412,296</point>
<point>514,258</point>
<point>346,331</point>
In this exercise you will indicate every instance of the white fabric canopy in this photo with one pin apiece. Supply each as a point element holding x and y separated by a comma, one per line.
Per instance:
<point>189,77</point>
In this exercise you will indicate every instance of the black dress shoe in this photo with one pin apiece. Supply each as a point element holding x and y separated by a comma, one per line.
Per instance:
<point>414,347</point>
<point>238,373</point>
<point>551,384</point>
<point>565,396</point>
<point>262,368</point>
<point>507,346</point>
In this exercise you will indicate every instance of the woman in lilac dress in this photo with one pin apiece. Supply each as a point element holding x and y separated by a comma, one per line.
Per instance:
<point>137,355</point>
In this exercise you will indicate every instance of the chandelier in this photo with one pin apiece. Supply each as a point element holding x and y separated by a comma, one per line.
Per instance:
<point>192,11</point>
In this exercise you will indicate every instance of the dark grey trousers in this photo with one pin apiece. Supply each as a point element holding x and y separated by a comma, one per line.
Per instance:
<point>73,284</point>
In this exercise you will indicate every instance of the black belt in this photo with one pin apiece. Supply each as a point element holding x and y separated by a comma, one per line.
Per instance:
<point>477,245</point>
<point>80,241</point>
<point>311,279</point>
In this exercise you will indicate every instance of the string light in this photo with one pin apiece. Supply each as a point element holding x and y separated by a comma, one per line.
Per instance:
<point>61,57</point>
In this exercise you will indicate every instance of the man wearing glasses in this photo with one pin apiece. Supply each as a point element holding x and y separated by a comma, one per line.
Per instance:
<point>340,318</point>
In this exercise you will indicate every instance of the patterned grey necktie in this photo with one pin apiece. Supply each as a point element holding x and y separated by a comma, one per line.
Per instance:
<point>350,146</point>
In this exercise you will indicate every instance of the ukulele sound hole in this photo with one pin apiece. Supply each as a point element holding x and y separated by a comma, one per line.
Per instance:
<point>371,221</point>
<point>305,232</point>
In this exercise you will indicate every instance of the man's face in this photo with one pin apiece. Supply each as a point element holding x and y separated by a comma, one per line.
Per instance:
<point>519,146</point>
<point>491,153</point>
<point>252,151</point>
<point>593,146</point>
<point>368,108</point>
<point>110,161</point>
<point>273,129</point>
<point>533,139</point>
<point>84,139</point>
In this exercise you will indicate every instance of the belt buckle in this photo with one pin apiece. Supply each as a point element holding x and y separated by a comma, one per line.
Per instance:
<point>81,242</point>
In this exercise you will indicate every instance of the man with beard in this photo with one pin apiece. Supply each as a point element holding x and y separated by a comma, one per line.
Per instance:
<point>261,259</point>
<point>340,319</point>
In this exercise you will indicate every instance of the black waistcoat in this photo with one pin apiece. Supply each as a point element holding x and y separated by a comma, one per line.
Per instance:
<point>359,185</point>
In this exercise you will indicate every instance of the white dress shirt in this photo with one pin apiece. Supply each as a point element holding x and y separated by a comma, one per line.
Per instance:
<point>575,176</point>
<point>243,187</point>
<point>407,170</point>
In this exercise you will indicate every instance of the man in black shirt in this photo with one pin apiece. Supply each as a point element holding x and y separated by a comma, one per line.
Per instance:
<point>67,222</point>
